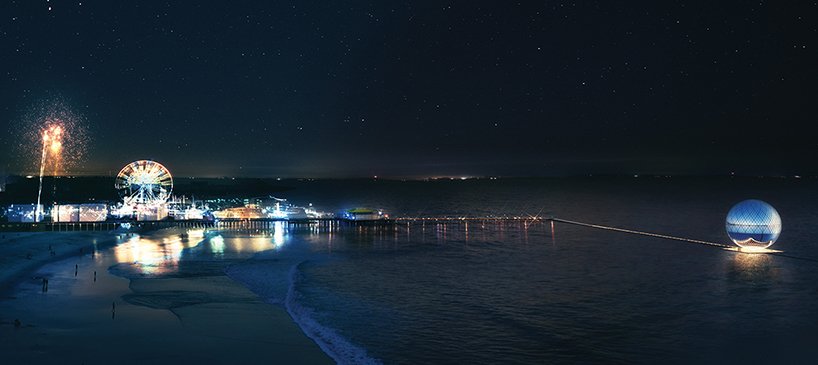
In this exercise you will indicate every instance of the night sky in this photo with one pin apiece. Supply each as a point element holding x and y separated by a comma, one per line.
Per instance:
<point>419,88</point>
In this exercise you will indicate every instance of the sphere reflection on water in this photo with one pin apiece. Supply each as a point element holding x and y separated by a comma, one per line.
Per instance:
<point>756,269</point>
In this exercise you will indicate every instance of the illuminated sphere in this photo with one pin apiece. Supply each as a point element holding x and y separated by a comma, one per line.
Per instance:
<point>753,224</point>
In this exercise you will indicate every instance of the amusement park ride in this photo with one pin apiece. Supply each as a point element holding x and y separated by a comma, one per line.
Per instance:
<point>144,182</point>
<point>145,187</point>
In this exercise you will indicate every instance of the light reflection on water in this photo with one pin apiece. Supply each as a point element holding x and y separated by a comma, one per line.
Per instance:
<point>160,254</point>
<point>217,246</point>
<point>156,256</point>
<point>480,292</point>
<point>753,267</point>
<point>390,289</point>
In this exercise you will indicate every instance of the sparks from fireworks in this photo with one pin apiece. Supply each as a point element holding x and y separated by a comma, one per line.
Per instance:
<point>52,146</point>
<point>52,137</point>
<point>52,141</point>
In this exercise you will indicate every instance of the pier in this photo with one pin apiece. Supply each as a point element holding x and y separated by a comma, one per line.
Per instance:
<point>268,223</point>
<point>98,226</point>
<point>227,223</point>
<point>252,223</point>
<point>331,224</point>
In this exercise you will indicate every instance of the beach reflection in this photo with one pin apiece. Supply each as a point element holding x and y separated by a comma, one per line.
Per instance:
<point>257,240</point>
<point>217,246</point>
<point>160,254</point>
<point>156,256</point>
<point>278,234</point>
<point>242,245</point>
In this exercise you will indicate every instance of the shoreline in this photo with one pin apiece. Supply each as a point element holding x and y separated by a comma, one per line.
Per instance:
<point>221,308</point>
<point>15,248</point>
<point>22,253</point>
<point>199,312</point>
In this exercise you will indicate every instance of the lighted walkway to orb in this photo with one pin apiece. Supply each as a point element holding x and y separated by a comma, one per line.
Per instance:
<point>752,225</point>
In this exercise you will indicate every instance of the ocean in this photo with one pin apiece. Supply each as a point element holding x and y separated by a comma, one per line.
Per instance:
<point>487,292</point>
<point>523,291</point>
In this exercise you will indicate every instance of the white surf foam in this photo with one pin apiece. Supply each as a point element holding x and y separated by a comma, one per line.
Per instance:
<point>333,344</point>
<point>269,280</point>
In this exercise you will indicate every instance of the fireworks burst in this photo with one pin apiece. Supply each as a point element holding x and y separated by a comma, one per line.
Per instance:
<point>52,146</point>
<point>52,139</point>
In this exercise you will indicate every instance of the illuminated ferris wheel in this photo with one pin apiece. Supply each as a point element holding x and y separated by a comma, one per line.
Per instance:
<point>144,182</point>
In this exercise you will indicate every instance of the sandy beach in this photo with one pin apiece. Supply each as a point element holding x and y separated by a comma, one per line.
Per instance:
<point>23,252</point>
<point>91,316</point>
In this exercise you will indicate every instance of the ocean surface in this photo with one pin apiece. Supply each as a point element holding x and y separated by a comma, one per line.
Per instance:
<point>524,291</point>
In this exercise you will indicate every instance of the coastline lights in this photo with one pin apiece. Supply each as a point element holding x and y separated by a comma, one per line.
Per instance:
<point>753,225</point>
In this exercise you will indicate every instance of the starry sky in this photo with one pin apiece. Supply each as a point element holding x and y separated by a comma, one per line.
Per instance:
<point>419,88</point>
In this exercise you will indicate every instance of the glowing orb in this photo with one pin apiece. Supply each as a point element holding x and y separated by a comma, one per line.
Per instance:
<point>753,224</point>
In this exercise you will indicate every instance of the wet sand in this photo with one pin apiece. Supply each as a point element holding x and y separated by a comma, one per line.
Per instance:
<point>200,319</point>
<point>23,252</point>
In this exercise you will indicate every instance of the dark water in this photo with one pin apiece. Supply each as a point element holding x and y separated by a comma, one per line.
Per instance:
<point>475,291</point>
<point>483,292</point>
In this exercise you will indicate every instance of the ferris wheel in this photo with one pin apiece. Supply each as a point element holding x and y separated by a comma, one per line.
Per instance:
<point>144,182</point>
